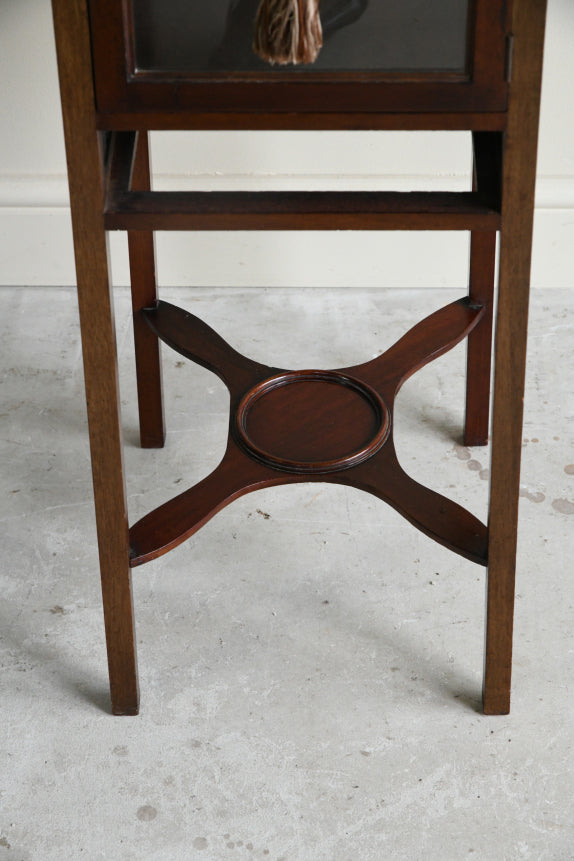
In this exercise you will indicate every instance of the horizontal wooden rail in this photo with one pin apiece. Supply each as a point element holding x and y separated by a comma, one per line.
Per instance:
<point>191,120</point>
<point>285,210</point>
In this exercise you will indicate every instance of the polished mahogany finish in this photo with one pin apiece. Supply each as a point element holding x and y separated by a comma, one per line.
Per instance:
<point>518,183</point>
<point>292,426</point>
<point>129,208</point>
<point>144,292</point>
<point>129,67</point>
<point>312,422</point>
<point>84,150</point>
<point>441,63</point>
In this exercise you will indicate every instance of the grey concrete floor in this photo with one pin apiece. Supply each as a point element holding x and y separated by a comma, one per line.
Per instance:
<point>310,664</point>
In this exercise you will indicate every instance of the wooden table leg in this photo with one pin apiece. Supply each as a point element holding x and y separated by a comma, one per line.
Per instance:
<point>519,174</point>
<point>144,295</point>
<point>99,346</point>
<point>478,363</point>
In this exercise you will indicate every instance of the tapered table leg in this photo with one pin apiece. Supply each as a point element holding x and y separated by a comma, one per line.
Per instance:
<point>144,294</point>
<point>99,347</point>
<point>519,174</point>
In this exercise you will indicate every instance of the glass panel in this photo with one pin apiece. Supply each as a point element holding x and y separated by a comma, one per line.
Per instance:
<point>359,35</point>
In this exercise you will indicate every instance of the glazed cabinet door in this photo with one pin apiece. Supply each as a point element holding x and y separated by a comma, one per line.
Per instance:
<point>162,56</point>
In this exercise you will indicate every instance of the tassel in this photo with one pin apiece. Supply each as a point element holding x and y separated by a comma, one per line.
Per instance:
<point>288,31</point>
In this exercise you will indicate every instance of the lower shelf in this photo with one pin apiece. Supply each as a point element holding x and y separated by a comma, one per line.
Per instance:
<point>328,426</point>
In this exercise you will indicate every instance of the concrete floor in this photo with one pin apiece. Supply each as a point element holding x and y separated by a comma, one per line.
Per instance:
<point>310,664</point>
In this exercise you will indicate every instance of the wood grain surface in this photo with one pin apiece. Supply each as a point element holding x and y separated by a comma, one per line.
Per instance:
<point>519,176</point>
<point>292,426</point>
<point>98,345</point>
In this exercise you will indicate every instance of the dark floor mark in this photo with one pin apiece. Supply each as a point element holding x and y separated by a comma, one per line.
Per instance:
<point>146,813</point>
<point>462,452</point>
<point>264,514</point>
<point>564,506</point>
<point>533,497</point>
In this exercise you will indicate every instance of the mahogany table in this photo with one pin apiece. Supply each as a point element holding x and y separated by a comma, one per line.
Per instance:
<point>131,66</point>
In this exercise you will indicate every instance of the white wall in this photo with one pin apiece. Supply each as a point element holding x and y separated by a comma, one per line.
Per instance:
<point>35,234</point>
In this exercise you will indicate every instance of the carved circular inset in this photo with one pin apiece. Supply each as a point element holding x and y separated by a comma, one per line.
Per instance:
<point>312,421</point>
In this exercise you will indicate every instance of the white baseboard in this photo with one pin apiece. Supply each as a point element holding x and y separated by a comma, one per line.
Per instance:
<point>36,244</point>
